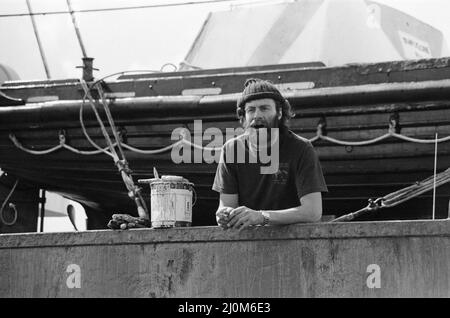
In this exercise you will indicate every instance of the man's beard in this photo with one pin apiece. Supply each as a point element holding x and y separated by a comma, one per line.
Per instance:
<point>262,123</point>
<point>262,133</point>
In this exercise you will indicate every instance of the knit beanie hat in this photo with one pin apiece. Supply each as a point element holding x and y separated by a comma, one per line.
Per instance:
<point>255,88</point>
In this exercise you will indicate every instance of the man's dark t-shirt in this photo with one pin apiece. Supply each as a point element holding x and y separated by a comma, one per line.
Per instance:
<point>299,173</point>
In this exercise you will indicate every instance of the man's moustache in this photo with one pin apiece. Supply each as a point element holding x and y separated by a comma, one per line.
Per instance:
<point>259,124</point>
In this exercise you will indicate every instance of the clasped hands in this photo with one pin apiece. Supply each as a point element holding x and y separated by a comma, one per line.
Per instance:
<point>238,218</point>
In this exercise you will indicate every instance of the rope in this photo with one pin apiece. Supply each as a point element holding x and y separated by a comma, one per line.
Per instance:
<point>189,143</point>
<point>53,149</point>
<point>83,152</point>
<point>113,152</point>
<point>391,133</point>
<point>101,150</point>
<point>400,196</point>
<point>120,145</point>
<point>314,139</point>
<point>152,152</point>
<point>111,122</point>
<point>11,206</point>
<point>354,143</point>
<point>416,189</point>
<point>33,152</point>
<point>134,192</point>
<point>421,141</point>
<point>83,128</point>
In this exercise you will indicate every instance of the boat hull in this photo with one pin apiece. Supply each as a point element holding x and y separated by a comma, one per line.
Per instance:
<point>352,103</point>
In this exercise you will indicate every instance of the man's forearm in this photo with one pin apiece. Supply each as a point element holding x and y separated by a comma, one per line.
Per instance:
<point>293,215</point>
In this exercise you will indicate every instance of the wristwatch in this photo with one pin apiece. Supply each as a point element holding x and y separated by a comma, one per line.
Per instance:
<point>266,218</point>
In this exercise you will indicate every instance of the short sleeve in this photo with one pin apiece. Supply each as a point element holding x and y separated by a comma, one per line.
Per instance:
<point>309,177</point>
<point>225,180</point>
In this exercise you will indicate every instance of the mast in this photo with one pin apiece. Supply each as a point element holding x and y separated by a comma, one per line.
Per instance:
<point>87,61</point>
<point>77,31</point>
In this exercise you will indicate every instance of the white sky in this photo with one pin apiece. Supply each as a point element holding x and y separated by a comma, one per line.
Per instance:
<point>142,39</point>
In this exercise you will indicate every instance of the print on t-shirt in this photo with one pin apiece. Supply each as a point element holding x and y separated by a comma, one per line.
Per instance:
<point>281,176</point>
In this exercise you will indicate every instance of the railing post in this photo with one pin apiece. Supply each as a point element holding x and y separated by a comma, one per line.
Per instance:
<point>42,200</point>
<point>448,209</point>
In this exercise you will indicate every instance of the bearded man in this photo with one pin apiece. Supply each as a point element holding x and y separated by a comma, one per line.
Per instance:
<point>249,195</point>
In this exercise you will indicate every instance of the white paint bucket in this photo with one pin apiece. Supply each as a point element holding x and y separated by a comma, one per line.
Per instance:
<point>171,202</point>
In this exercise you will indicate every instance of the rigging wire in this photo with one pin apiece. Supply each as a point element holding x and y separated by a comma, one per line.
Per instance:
<point>134,192</point>
<point>150,6</point>
<point>110,121</point>
<point>38,40</point>
<point>83,128</point>
<point>400,196</point>
<point>77,30</point>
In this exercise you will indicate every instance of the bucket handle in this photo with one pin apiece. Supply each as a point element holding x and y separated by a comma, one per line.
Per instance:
<point>195,196</point>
